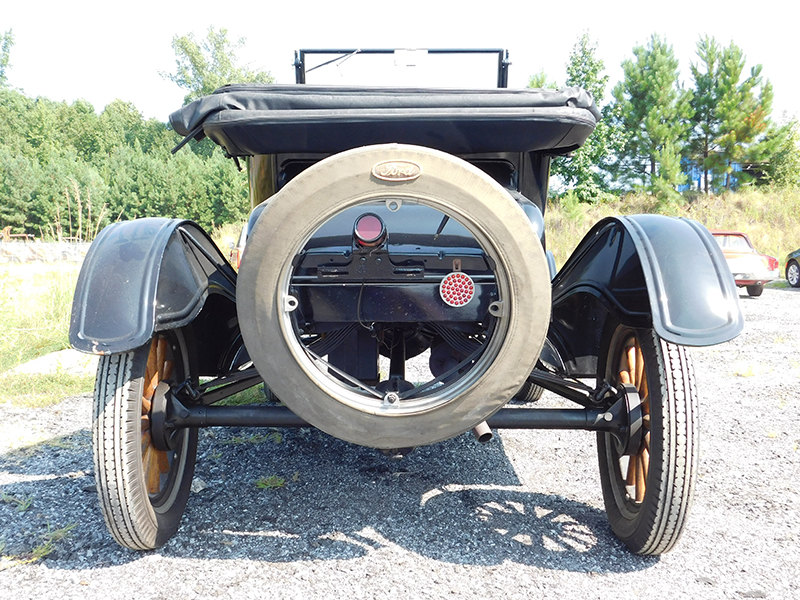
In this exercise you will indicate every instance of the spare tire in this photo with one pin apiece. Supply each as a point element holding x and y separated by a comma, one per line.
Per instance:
<point>449,185</point>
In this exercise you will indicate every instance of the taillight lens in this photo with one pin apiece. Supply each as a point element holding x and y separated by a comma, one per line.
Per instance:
<point>236,257</point>
<point>772,263</point>
<point>369,230</point>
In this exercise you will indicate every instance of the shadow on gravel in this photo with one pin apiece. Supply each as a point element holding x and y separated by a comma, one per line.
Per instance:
<point>455,501</point>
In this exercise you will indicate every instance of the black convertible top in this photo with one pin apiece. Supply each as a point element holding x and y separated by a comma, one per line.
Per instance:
<point>250,119</point>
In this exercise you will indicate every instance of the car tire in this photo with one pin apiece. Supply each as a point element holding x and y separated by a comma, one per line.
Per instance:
<point>647,495</point>
<point>793,273</point>
<point>142,490</point>
<point>449,185</point>
<point>529,392</point>
<point>755,290</point>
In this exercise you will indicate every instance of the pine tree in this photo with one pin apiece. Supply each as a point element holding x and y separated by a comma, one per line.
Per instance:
<point>654,111</point>
<point>731,118</point>
<point>582,170</point>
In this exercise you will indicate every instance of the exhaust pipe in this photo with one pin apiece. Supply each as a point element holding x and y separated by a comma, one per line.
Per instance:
<point>483,432</point>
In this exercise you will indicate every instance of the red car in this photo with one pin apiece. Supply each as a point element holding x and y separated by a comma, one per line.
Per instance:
<point>750,269</point>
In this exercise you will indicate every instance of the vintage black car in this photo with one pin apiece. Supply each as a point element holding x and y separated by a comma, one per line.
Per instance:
<point>390,226</point>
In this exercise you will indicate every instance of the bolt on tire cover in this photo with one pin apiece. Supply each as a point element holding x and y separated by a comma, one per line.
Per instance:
<point>447,184</point>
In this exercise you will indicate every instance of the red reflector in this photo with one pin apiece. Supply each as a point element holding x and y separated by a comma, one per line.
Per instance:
<point>369,230</point>
<point>457,289</point>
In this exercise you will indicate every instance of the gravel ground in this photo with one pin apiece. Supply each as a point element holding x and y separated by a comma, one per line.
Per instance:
<point>521,517</point>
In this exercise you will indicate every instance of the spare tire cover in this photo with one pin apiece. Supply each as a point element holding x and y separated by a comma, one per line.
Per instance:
<point>447,184</point>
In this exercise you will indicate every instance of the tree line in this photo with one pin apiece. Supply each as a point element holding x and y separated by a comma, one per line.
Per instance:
<point>655,131</point>
<point>66,171</point>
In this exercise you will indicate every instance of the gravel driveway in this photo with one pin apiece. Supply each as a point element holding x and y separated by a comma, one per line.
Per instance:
<point>521,517</point>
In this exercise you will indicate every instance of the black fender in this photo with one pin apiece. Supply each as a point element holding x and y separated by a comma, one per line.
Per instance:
<point>642,271</point>
<point>150,275</point>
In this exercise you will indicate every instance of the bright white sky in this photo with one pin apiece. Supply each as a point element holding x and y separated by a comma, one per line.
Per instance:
<point>101,50</point>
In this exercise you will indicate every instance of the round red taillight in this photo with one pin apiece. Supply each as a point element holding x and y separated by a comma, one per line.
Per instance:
<point>457,289</point>
<point>369,230</point>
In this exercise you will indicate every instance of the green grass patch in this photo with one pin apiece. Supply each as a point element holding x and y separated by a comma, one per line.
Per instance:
<point>49,540</point>
<point>35,307</point>
<point>272,482</point>
<point>256,438</point>
<point>252,395</point>
<point>38,390</point>
<point>20,504</point>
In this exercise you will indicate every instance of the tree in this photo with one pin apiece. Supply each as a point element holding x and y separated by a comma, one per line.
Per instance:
<point>204,67</point>
<point>541,81</point>
<point>743,114</point>
<point>783,166</point>
<point>581,170</point>
<point>654,111</point>
<point>6,41</point>
<point>731,119</point>
<point>703,140</point>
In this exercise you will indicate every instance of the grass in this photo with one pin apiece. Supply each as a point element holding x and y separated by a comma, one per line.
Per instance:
<point>20,504</point>
<point>771,217</point>
<point>49,540</point>
<point>226,236</point>
<point>35,307</point>
<point>255,438</point>
<point>251,395</point>
<point>42,389</point>
<point>272,482</point>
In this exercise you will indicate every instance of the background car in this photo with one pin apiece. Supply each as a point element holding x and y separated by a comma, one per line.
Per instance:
<point>793,268</point>
<point>750,269</point>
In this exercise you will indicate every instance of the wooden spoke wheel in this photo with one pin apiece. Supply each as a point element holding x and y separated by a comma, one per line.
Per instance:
<point>647,493</point>
<point>143,490</point>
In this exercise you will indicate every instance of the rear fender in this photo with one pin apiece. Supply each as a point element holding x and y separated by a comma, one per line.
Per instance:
<point>149,275</point>
<point>643,271</point>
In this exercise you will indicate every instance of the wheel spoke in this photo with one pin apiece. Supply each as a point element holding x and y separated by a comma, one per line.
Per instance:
<point>166,371</point>
<point>630,478</point>
<point>151,372</point>
<point>154,462</point>
<point>631,370</point>
<point>150,385</point>
<point>151,471</point>
<point>640,381</point>
<point>161,353</point>
<point>163,462</point>
<point>645,454</point>
<point>640,477</point>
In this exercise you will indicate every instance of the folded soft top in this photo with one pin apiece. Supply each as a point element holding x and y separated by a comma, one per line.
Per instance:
<point>251,119</point>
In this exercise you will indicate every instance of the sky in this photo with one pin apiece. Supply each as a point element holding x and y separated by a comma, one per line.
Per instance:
<point>100,51</point>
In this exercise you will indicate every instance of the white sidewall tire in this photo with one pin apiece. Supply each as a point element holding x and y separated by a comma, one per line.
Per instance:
<point>447,184</point>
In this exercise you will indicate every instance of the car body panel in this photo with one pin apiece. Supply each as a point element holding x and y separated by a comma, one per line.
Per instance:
<point>144,276</point>
<point>793,268</point>
<point>629,270</point>
<point>749,268</point>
